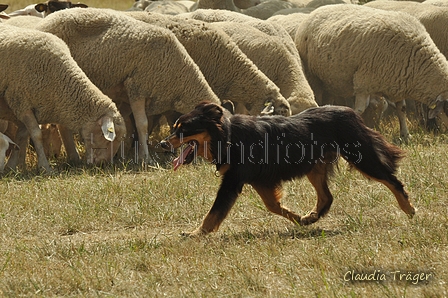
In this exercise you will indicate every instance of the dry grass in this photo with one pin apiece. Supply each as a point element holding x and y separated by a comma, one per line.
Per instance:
<point>116,232</point>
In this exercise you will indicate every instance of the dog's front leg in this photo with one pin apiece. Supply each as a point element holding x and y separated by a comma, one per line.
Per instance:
<point>228,192</point>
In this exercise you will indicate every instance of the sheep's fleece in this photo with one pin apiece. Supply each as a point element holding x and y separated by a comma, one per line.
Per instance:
<point>41,83</point>
<point>133,62</point>
<point>355,50</point>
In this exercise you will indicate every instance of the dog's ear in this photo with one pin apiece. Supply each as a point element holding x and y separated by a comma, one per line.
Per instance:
<point>211,111</point>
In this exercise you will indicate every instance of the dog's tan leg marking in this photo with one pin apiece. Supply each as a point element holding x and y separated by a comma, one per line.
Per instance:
<point>210,224</point>
<point>400,195</point>
<point>318,178</point>
<point>271,198</point>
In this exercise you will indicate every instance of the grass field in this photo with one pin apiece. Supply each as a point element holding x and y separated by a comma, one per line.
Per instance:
<point>116,232</point>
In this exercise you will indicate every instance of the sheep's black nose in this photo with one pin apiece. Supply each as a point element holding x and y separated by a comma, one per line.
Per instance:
<point>165,145</point>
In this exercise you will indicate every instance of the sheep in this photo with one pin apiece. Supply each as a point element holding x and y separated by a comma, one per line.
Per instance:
<point>169,7</point>
<point>5,143</point>
<point>41,83</point>
<point>142,67</point>
<point>217,15</point>
<point>289,21</point>
<point>233,5</point>
<point>440,3</point>
<point>24,21</point>
<point>232,76</point>
<point>44,9</point>
<point>51,140</point>
<point>435,20</point>
<point>263,10</point>
<point>271,55</point>
<point>352,50</point>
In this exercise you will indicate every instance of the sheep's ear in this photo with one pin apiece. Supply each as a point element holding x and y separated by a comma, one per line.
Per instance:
<point>437,107</point>
<point>10,141</point>
<point>41,7</point>
<point>108,128</point>
<point>268,108</point>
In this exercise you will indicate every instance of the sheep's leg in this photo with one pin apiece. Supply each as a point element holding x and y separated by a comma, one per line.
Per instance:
<point>36,135</point>
<point>401,113</point>
<point>69,144</point>
<point>4,145</point>
<point>444,118</point>
<point>18,154</point>
<point>361,103</point>
<point>141,124</point>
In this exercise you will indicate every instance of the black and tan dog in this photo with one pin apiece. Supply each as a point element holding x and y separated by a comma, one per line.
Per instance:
<point>265,151</point>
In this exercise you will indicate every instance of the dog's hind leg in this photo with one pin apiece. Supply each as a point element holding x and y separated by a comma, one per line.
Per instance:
<point>378,163</point>
<point>395,186</point>
<point>318,178</point>
<point>271,197</point>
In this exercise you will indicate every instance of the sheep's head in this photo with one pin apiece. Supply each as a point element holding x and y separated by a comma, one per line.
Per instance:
<point>281,107</point>
<point>103,138</point>
<point>55,5</point>
<point>439,105</point>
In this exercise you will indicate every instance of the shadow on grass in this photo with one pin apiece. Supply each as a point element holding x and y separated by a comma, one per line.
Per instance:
<point>296,233</point>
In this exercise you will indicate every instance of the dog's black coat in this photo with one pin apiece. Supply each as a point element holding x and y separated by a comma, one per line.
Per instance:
<point>264,151</point>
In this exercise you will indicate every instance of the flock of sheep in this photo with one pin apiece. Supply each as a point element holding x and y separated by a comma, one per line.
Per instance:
<point>110,75</point>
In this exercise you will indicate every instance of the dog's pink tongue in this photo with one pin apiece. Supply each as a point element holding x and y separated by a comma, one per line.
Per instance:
<point>178,161</point>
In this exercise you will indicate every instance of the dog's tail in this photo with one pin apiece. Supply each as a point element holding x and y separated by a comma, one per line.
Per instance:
<point>371,154</point>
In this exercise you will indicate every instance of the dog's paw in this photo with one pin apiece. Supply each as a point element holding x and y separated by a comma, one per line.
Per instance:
<point>195,234</point>
<point>308,219</point>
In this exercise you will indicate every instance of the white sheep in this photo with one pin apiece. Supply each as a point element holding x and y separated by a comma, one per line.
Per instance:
<point>136,64</point>
<point>274,58</point>
<point>440,3</point>
<point>41,83</point>
<point>263,10</point>
<point>217,15</point>
<point>434,18</point>
<point>169,7</point>
<point>5,143</point>
<point>233,5</point>
<point>352,50</point>
<point>289,21</point>
<point>232,76</point>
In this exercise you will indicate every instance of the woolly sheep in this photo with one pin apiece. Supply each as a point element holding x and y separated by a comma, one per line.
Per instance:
<point>5,143</point>
<point>135,63</point>
<point>233,5</point>
<point>261,11</point>
<point>440,3</point>
<point>169,7</point>
<point>273,58</point>
<point>217,15</point>
<point>232,76</point>
<point>351,50</point>
<point>435,20</point>
<point>41,83</point>
<point>290,21</point>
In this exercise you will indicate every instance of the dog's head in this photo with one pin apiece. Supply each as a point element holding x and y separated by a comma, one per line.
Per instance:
<point>198,132</point>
